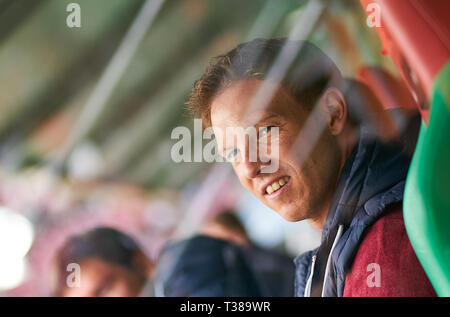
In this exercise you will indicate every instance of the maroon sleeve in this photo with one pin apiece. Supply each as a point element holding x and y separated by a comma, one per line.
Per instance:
<point>385,264</point>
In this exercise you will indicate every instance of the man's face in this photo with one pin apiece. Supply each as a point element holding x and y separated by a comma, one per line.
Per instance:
<point>308,167</point>
<point>102,279</point>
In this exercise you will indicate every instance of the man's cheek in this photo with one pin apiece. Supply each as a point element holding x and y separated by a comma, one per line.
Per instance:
<point>270,153</point>
<point>243,180</point>
<point>271,168</point>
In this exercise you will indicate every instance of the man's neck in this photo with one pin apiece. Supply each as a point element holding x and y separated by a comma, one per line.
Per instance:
<point>347,148</point>
<point>318,222</point>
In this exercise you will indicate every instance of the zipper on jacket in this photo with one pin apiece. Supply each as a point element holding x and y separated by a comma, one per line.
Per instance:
<point>327,268</point>
<point>307,292</point>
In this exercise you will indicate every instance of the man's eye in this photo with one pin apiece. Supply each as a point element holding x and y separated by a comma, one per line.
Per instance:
<point>232,154</point>
<point>265,131</point>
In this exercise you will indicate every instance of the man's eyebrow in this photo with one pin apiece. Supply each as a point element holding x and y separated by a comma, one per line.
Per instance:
<point>266,118</point>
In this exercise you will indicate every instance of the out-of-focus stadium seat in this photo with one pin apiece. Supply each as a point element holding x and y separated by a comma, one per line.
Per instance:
<point>416,34</point>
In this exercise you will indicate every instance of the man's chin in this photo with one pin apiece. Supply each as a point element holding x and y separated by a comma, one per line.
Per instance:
<point>291,216</point>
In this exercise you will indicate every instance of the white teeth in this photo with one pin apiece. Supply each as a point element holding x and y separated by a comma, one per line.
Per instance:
<point>277,185</point>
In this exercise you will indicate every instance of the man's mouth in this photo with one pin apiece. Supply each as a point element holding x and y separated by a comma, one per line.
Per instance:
<point>276,186</point>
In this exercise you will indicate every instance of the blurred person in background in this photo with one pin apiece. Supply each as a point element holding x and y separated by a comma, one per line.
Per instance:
<point>221,262</point>
<point>111,264</point>
<point>332,169</point>
<point>226,226</point>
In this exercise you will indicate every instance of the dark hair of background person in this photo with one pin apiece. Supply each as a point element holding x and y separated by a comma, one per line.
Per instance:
<point>229,220</point>
<point>104,243</point>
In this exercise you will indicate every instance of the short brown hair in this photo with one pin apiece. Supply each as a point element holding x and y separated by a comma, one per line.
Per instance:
<point>308,76</point>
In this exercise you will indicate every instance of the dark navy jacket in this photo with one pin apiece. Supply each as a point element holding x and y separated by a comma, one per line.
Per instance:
<point>209,267</point>
<point>372,179</point>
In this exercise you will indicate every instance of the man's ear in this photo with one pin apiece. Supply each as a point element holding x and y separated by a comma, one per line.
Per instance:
<point>335,109</point>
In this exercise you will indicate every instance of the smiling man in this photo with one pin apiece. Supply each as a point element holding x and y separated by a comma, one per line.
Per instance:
<point>331,171</point>
<point>295,191</point>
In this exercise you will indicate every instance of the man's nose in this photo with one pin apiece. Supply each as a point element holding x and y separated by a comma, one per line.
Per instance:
<point>251,163</point>
<point>249,169</point>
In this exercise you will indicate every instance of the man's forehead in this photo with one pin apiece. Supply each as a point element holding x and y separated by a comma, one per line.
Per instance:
<point>245,120</point>
<point>232,107</point>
